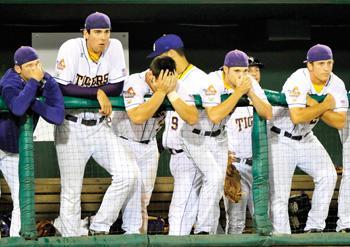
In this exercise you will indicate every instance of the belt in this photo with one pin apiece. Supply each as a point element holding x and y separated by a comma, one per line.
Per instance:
<point>143,142</point>
<point>248,161</point>
<point>207,133</point>
<point>175,151</point>
<point>287,134</point>
<point>86,122</point>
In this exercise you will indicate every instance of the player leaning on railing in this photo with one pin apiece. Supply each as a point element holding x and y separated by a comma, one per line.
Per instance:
<point>20,86</point>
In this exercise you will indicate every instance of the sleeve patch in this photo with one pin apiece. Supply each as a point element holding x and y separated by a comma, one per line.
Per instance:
<point>130,93</point>
<point>210,90</point>
<point>61,65</point>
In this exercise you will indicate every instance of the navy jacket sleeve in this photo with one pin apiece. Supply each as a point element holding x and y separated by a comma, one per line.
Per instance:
<point>52,108</point>
<point>114,89</point>
<point>19,100</point>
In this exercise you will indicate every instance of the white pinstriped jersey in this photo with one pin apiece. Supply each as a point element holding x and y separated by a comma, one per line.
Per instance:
<point>74,66</point>
<point>239,124</point>
<point>296,88</point>
<point>134,92</point>
<point>345,133</point>
<point>173,122</point>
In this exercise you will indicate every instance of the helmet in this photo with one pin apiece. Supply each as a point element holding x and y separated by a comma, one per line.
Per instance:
<point>255,62</point>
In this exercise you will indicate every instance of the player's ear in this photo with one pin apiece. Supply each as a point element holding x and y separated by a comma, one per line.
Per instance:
<point>86,34</point>
<point>309,66</point>
<point>225,68</point>
<point>18,69</point>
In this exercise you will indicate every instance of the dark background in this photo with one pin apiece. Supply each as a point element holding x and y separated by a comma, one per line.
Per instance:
<point>279,33</point>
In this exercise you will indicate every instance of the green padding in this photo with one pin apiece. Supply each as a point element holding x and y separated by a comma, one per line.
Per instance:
<point>309,239</point>
<point>260,177</point>
<point>106,240</point>
<point>207,240</point>
<point>26,180</point>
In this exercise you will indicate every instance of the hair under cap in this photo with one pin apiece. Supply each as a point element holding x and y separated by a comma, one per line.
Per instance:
<point>25,54</point>
<point>97,20</point>
<point>319,52</point>
<point>236,58</point>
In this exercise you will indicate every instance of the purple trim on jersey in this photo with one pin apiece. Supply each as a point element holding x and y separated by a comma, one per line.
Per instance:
<point>19,96</point>
<point>111,89</point>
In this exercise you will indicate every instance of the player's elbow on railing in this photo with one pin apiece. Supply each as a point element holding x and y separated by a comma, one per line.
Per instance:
<point>138,119</point>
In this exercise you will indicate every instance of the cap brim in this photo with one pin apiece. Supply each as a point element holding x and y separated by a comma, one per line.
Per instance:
<point>153,54</point>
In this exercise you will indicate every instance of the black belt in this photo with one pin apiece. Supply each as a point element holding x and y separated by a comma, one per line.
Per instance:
<point>86,122</point>
<point>248,161</point>
<point>207,133</point>
<point>287,134</point>
<point>143,142</point>
<point>175,151</point>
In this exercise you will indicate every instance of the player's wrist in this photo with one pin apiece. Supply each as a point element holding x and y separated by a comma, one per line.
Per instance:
<point>173,96</point>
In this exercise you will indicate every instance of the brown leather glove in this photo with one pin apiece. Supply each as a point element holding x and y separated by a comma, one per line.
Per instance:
<point>232,187</point>
<point>45,228</point>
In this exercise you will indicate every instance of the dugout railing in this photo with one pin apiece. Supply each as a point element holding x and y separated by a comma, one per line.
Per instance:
<point>261,222</point>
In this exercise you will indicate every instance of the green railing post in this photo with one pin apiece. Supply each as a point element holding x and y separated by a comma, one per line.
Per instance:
<point>260,177</point>
<point>26,180</point>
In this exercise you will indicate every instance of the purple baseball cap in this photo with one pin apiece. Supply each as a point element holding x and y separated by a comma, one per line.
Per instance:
<point>25,54</point>
<point>318,52</point>
<point>236,58</point>
<point>166,43</point>
<point>97,20</point>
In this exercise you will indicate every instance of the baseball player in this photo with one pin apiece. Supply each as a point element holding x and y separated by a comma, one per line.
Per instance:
<point>292,142</point>
<point>254,68</point>
<point>239,129</point>
<point>20,86</point>
<point>93,67</point>
<point>139,133</point>
<point>343,223</point>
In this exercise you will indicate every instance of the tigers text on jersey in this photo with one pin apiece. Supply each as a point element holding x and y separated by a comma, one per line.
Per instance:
<point>296,88</point>
<point>193,82</point>
<point>74,66</point>
<point>134,92</point>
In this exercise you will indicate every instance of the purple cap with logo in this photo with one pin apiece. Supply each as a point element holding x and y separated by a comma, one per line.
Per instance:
<point>318,52</point>
<point>97,20</point>
<point>25,54</point>
<point>236,58</point>
<point>166,43</point>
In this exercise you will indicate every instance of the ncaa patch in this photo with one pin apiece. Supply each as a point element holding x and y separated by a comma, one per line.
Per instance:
<point>210,90</point>
<point>130,93</point>
<point>61,65</point>
<point>294,92</point>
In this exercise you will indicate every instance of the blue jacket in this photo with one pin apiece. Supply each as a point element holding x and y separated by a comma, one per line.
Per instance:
<point>21,98</point>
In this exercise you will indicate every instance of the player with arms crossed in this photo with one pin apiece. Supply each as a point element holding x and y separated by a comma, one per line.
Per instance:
<point>20,86</point>
<point>140,130</point>
<point>239,128</point>
<point>93,67</point>
<point>292,142</point>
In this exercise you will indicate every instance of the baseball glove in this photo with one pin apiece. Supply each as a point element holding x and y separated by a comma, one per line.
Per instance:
<point>45,228</point>
<point>232,187</point>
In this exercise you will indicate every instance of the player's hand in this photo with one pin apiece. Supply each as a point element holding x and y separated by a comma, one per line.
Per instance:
<point>231,157</point>
<point>37,72</point>
<point>105,103</point>
<point>329,101</point>
<point>173,82</point>
<point>244,85</point>
<point>163,82</point>
<point>310,101</point>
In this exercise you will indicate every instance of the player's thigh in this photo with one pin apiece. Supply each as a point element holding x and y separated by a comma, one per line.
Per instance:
<point>147,160</point>
<point>314,159</point>
<point>114,156</point>
<point>346,157</point>
<point>9,168</point>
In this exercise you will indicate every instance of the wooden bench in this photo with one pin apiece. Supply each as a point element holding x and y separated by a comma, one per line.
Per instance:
<point>47,195</point>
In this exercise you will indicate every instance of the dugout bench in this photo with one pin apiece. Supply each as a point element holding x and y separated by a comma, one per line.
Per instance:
<point>47,196</point>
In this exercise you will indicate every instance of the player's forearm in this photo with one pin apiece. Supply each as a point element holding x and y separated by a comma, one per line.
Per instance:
<point>217,113</point>
<point>188,113</point>
<point>334,119</point>
<point>18,100</point>
<point>145,111</point>
<point>263,108</point>
<point>306,115</point>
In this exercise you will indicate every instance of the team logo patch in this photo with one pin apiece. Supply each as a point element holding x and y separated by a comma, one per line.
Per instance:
<point>294,93</point>
<point>130,93</point>
<point>125,72</point>
<point>210,90</point>
<point>61,65</point>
